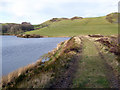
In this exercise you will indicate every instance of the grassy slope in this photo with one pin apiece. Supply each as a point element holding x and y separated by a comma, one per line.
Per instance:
<point>98,25</point>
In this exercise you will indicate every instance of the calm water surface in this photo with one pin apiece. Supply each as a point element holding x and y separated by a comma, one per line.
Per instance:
<point>18,52</point>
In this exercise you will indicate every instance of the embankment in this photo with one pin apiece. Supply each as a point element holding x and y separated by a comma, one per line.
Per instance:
<point>90,61</point>
<point>46,74</point>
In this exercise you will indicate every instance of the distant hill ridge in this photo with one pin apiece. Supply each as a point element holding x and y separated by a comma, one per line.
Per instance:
<point>66,26</point>
<point>78,26</point>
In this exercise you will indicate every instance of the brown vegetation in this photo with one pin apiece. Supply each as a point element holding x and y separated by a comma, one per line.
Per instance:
<point>11,78</point>
<point>111,43</point>
<point>55,20</point>
<point>30,36</point>
<point>113,17</point>
<point>73,18</point>
<point>96,35</point>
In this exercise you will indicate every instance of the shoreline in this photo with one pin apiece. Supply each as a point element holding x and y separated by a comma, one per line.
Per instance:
<point>31,36</point>
<point>29,63</point>
<point>12,76</point>
<point>61,59</point>
<point>48,52</point>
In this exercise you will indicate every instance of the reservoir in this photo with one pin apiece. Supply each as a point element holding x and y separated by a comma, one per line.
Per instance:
<point>19,52</point>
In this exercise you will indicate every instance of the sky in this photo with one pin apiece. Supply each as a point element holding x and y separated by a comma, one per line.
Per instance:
<point>38,11</point>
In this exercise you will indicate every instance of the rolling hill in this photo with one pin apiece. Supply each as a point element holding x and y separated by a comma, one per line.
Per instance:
<point>105,25</point>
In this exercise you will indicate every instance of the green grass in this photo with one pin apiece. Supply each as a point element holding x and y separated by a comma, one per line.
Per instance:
<point>97,25</point>
<point>91,71</point>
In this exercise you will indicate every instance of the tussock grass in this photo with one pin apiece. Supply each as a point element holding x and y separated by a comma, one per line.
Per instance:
<point>11,77</point>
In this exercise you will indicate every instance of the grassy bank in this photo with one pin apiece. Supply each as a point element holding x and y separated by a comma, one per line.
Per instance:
<point>80,62</point>
<point>45,74</point>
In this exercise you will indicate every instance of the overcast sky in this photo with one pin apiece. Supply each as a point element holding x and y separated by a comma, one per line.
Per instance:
<point>38,11</point>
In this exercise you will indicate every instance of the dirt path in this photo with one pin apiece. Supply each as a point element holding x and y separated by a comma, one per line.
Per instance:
<point>93,70</point>
<point>65,81</point>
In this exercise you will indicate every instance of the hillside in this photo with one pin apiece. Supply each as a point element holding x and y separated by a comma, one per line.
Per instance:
<point>72,65</point>
<point>105,25</point>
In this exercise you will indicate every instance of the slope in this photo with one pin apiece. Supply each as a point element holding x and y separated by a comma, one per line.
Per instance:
<point>85,26</point>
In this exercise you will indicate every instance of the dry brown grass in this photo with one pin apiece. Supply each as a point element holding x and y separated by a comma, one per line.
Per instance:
<point>15,74</point>
<point>37,81</point>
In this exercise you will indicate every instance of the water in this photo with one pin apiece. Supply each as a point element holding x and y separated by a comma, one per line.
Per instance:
<point>18,52</point>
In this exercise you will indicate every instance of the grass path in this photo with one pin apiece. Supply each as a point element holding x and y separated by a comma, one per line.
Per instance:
<point>113,79</point>
<point>93,71</point>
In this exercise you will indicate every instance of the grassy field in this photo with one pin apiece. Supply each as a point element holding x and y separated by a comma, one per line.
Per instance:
<point>85,26</point>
